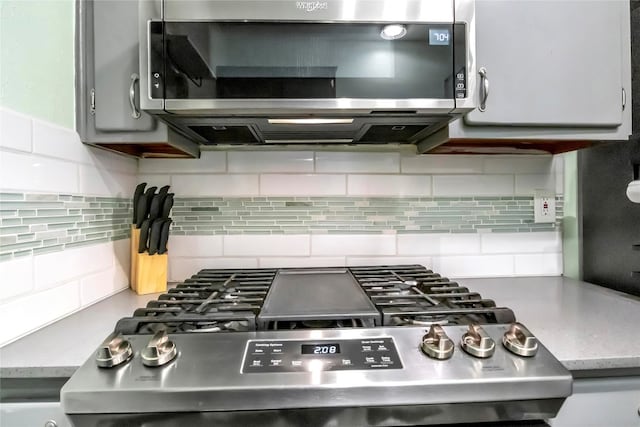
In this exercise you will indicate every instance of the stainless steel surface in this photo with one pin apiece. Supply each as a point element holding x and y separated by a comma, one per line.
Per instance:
<point>114,351</point>
<point>477,342</point>
<point>50,423</point>
<point>135,113</point>
<point>434,114</point>
<point>316,295</point>
<point>519,340</point>
<point>484,89</point>
<point>159,351</point>
<point>33,414</point>
<point>436,344</point>
<point>206,376</point>
<point>434,11</point>
<point>346,107</point>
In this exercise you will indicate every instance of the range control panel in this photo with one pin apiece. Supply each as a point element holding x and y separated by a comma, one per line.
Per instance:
<point>320,355</point>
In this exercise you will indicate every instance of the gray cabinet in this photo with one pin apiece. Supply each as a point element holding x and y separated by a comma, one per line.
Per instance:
<point>550,63</point>
<point>107,84</point>
<point>558,71</point>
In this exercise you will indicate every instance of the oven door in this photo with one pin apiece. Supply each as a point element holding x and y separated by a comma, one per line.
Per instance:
<point>282,57</point>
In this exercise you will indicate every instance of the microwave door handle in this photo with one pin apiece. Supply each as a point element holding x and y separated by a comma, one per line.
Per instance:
<point>135,112</point>
<point>484,88</point>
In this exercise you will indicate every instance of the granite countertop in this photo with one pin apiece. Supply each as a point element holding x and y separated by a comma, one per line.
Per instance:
<point>586,327</point>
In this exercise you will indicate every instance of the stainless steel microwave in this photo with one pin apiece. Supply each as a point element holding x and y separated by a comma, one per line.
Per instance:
<point>291,72</point>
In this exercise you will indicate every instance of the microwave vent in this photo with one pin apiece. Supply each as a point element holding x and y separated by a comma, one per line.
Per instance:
<point>225,134</point>
<point>393,133</point>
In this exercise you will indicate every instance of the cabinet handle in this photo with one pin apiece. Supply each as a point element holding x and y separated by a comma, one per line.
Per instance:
<point>484,88</point>
<point>624,99</point>
<point>135,113</point>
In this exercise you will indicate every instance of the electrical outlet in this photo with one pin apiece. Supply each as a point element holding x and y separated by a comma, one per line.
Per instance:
<point>544,207</point>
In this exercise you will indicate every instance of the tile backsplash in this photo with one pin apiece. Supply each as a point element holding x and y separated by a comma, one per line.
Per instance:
<point>64,223</point>
<point>362,215</point>
<point>33,224</point>
<point>463,216</point>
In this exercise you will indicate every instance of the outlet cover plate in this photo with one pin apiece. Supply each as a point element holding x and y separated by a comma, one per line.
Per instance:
<point>544,207</point>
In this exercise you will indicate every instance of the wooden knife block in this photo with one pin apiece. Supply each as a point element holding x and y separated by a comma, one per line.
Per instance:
<point>148,272</point>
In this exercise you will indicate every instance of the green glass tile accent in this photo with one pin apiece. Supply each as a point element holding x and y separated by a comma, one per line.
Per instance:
<point>48,249</point>
<point>10,221</point>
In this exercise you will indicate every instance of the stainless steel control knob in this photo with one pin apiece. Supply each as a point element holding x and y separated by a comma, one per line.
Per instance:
<point>113,351</point>
<point>477,342</point>
<point>519,340</point>
<point>436,344</point>
<point>159,351</point>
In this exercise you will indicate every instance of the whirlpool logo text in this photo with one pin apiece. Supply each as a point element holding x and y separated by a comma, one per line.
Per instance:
<point>312,6</point>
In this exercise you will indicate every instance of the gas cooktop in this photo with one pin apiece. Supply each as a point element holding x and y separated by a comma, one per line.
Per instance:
<point>344,346</point>
<point>276,299</point>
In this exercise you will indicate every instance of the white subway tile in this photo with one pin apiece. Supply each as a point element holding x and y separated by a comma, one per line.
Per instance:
<point>353,244</point>
<point>473,185</point>
<point>156,180</point>
<point>439,244</point>
<point>115,162</point>
<point>57,141</point>
<point>183,268</point>
<point>15,130</point>
<point>539,265</point>
<point>270,161</point>
<point>365,261</point>
<point>299,262</point>
<point>28,172</point>
<point>266,245</point>
<point>209,162</point>
<point>195,246</point>
<point>16,277</point>
<point>510,243</point>
<point>389,185</point>
<point>59,267</point>
<point>302,185</point>
<point>536,164</point>
<point>442,164</point>
<point>122,262</point>
<point>100,182</point>
<point>95,287</point>
<point>357,162</point>
<point>474,266</point>
<point>23,315</point>
<point>526,185</point>
<point>215,185</point>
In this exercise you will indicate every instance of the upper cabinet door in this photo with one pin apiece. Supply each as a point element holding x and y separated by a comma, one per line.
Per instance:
<point>550,63</point>
<point>115,50</point>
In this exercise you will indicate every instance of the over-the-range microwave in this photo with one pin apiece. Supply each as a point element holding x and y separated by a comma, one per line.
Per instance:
<point>307,72</point>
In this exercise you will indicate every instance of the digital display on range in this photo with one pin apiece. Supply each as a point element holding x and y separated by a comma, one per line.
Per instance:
<point>330,348</point>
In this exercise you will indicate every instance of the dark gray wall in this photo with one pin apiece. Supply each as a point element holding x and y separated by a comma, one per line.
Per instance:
<point>610,222</point>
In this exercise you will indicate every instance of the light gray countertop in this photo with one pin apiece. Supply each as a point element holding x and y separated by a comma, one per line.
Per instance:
<point>586,327</point>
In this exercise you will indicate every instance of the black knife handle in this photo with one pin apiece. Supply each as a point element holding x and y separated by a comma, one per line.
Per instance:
<point>156,207</point>
<point>154,236</point>
<point>136,195</point>
<point>167,205</point>
<point>164,190</point>
<point>149,194</point>
<point>144,236</point>
<point>164,236</point>
<point>141,211</point>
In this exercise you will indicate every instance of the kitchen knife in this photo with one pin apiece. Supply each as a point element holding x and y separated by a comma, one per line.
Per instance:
<point>164,190</point>
<point>164,236</point>
<point>136,195</point>
<point>149,193</point>
<point>141,210</point>
<point>154,236</point>
<point>156,207</point>
<point>167,205</point>
<point>144,236</point>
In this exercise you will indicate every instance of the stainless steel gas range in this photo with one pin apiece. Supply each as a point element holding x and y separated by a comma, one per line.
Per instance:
<point>358,346</point>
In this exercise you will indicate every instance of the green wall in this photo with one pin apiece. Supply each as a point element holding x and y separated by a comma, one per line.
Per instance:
<point>570,231</point>
<point>37,58</point>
